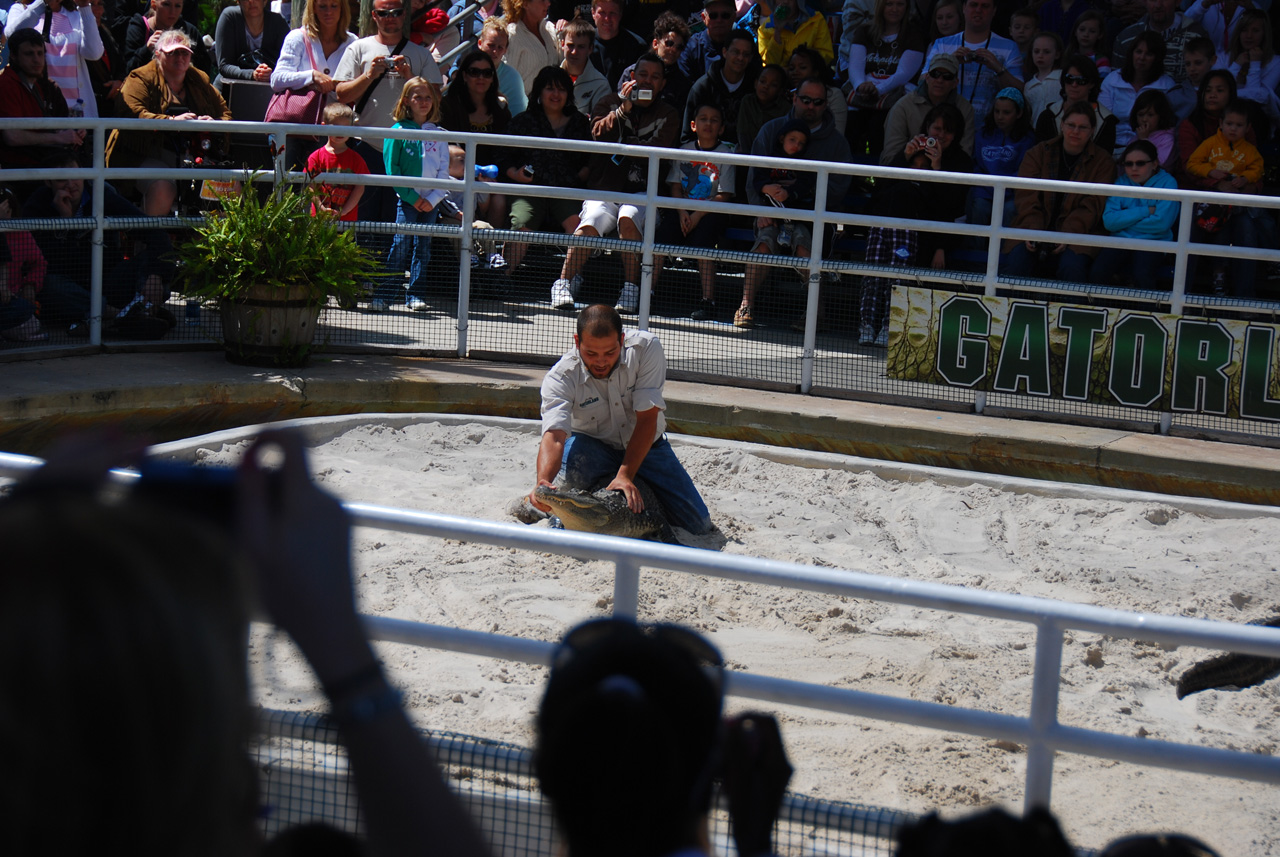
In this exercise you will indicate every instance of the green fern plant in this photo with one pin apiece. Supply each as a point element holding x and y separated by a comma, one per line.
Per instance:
<point>273,241</point>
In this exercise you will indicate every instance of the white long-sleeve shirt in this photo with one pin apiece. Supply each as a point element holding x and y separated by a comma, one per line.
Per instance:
<point>73,38</point>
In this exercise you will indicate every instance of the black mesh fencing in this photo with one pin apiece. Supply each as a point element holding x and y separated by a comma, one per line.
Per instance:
<point>304,778</point>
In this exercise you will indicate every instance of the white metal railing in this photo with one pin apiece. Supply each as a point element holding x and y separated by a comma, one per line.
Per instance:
<point>1040,730</point>
<point>653,201</point>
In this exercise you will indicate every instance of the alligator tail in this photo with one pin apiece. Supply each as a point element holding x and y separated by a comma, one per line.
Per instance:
<point>1229,670</point>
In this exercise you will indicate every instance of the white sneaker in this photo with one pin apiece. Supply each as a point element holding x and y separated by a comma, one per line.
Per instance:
<point>377,305</point>
<point>866,335</point>
<point>561,295</point>
<point>415,304</point>
<point>496,262</point>
<point>629,300</point>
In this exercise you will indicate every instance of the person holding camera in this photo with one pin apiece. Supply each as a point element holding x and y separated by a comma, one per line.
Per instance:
<point>936,147</point>
<point>552,114</point>
<point>1071,156</point>
<point>145,610</point>
<point>988,62</point>
<point>636,116</point>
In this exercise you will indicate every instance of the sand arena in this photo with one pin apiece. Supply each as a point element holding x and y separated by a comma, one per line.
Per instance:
<point>1150,555</point>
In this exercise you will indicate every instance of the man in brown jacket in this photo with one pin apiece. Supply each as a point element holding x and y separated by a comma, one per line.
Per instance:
<point>1073,156</point>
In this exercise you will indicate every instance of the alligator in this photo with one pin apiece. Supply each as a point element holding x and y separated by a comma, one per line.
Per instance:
<point>1230,670</point>
<point>606,512</point>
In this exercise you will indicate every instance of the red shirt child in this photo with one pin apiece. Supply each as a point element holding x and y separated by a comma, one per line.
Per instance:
<point>337,200</point>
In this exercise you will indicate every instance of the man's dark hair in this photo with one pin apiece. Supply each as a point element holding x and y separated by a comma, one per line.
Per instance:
<point>670,22</point>
<point>992,833</point>
<point>25,36</point>
<point>580,27</point>
<point>624,681</point>
<point>650,56</point>
<point>1158,845</point>
<point>737,34</point>
<point>599,320</point>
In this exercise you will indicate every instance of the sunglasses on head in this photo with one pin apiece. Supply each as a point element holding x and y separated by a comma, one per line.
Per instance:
<point>1137,163</point>
<point>388,13</point>
<point>816,102</point>
<point>939,74</point>
<point>478,71</point>
<point>599,631</point>
<point>1074,79</point>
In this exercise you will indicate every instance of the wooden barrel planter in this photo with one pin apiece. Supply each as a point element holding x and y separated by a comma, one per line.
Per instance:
<point>272,326</point>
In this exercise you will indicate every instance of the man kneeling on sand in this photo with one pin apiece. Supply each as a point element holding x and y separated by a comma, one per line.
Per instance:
<point>602,418</point>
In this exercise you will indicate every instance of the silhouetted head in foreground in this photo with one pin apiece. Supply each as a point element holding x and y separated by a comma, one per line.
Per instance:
<point>628,737</point>
<point>990,833</point>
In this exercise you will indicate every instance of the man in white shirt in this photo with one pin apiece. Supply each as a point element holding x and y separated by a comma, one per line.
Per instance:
<point>602,418</point>
<point>988,62</point>
<point>370,77</point>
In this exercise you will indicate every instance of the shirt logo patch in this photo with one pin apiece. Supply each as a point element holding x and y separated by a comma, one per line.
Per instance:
<point>590,401</point>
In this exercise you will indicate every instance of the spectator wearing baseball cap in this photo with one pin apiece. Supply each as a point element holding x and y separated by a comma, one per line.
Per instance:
<point>937,86</point>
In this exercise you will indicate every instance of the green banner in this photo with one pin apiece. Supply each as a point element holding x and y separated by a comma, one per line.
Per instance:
<point>1087,354</point>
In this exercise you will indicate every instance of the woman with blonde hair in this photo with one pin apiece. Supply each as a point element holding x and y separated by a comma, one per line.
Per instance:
<point>418,109</point>
<point>533,42</point>
<point>308,59</point>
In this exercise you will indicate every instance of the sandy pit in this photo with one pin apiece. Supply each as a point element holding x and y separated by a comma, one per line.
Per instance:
<point>1140,555</point>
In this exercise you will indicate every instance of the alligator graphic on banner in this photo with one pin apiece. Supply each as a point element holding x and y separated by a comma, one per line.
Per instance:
<point>1107,356</point>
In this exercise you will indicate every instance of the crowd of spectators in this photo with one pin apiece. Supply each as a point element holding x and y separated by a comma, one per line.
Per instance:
<point>868,79</point>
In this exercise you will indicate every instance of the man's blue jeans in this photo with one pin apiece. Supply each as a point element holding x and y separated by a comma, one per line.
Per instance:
<point>588,461</point>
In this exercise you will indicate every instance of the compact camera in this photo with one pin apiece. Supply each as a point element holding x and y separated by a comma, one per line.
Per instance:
<point>930,142</point>
<point>641,95</point>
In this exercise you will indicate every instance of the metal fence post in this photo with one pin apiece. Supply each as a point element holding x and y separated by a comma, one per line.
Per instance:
<point>651,212</point>
<point>626,587</point>
<point>817,228</point>
<point>1044,714</point>
<point>95,255</point>
<point>465,243</point>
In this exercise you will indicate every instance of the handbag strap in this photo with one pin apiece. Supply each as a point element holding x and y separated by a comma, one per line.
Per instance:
<point>311,57</point>
<point>368,93</point>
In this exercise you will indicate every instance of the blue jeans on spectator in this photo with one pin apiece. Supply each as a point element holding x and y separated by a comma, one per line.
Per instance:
<point>587,461</point>
<point>978,209</point>
<point>1140,267</point>
<point>14,313</point>
<point>415,249</point>
<point>1070,266</point>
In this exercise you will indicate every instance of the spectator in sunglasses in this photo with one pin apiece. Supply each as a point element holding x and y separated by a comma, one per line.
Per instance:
<point>707,46</point>
<point>937,86</point>
<point>1131,217</point>
<point>1081,82</point>
<point>472,103</point>
<point>670,35</point>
